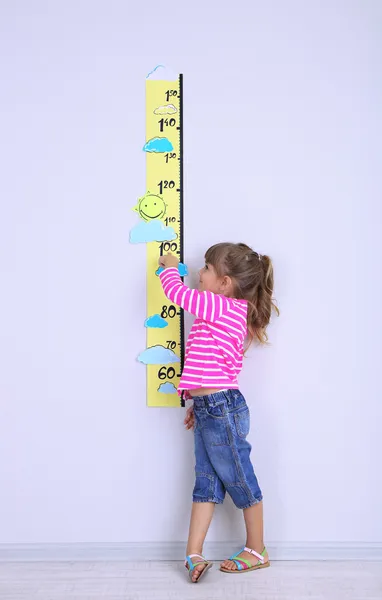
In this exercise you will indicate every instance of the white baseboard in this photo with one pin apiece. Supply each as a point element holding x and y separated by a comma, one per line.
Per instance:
<point>158,551</point>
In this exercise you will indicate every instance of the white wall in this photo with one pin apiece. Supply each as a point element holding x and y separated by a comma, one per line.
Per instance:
<point>282,147</point>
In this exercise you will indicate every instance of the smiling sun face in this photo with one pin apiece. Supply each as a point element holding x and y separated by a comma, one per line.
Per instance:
<point>150,207</point>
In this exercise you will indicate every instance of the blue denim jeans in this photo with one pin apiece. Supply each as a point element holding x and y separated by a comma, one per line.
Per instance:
<point>222,451</point>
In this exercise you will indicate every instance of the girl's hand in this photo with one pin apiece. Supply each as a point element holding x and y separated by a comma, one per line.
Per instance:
<point>168,260</point>
<point>189,421</point>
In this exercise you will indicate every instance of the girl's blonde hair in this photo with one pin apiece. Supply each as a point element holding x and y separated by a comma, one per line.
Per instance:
<point>252,278</point>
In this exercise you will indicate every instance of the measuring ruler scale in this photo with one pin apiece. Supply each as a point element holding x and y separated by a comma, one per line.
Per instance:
<point>163,202</point>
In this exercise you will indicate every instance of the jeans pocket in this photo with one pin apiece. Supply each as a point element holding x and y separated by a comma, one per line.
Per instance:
<point>242,422</point>
<point>218,411</point>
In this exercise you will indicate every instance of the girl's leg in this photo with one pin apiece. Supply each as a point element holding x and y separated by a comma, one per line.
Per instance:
<point>253,517</point>
<point>201,516</point>
<point>208,491</point>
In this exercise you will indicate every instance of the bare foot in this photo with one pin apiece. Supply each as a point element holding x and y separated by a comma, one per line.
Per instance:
<point>231,566</point>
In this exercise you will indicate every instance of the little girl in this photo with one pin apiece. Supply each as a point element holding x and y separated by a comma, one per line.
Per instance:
<point>234,303</point>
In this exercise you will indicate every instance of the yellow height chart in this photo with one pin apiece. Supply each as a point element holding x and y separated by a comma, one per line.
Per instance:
<point>161,228</point>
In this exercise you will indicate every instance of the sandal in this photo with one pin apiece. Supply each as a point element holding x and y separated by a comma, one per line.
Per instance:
<point>191,566</point>
<point>244,565</point>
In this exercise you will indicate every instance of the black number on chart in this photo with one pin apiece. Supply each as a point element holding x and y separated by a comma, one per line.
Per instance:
<point>170,93</point>
<point>168,311</point>
<point>164,185</point>
<point>170,220</point>
<point>168,247</point>
<point>166,123</point>
<point>169,156</point>
<point>166,373</point>
<point>171,345</point>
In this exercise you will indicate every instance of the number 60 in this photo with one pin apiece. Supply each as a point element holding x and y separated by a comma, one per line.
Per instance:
<point>166,372</point>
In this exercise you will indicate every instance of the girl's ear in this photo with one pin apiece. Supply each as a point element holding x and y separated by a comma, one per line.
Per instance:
<point>226,285</point>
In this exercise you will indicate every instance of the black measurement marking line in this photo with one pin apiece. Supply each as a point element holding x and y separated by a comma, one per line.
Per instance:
<point>181,238</point>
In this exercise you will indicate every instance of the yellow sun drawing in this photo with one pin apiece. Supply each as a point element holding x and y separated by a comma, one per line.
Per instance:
<point>150,206</point>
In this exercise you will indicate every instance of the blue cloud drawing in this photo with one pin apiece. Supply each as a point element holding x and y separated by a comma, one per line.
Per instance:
<point>153,231</point>
<point>158,145</point>
<point>182,268</point>
<point>155,69</point>
<point>163,73</point>
<point>158,355</point>
<point>167,388</point>
<point>156,321</point>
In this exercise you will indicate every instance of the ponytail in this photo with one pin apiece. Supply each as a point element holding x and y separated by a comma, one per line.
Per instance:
<point>260,303</point>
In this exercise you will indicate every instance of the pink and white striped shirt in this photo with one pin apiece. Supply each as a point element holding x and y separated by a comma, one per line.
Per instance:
<point>215,346</point>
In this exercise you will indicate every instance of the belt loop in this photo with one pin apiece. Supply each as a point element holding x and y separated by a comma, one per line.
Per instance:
<point>227,396</point>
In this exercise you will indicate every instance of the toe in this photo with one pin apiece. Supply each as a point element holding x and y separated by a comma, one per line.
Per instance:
<point>229,565</point>
<point>197,572</point>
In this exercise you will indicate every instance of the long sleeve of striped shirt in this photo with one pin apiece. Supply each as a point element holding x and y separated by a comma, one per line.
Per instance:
<point>205,305</point>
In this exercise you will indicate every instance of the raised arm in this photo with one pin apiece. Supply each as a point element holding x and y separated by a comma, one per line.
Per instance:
<point>206,305</point>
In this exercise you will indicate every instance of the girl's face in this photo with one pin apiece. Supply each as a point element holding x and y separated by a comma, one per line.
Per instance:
<point>209,281</point>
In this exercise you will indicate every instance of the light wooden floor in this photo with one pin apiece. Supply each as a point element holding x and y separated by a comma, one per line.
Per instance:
<point>167,581</point>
